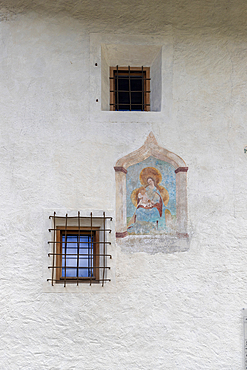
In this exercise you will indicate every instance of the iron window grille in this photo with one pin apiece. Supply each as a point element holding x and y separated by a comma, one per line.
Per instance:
<point>130,88</point>
<point>78,252</point>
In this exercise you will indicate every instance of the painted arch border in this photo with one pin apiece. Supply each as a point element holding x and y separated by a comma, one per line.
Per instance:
<point>151,148</point>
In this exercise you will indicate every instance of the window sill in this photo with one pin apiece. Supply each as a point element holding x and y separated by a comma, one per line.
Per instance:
<point>127,116</point>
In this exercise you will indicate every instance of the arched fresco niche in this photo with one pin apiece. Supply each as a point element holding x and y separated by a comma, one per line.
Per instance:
<point>151,199</point>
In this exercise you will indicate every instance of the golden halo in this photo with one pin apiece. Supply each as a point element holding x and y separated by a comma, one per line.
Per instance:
<point>150,172</point>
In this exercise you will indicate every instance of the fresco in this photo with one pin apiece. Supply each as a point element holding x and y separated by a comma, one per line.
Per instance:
<point>151,197</point>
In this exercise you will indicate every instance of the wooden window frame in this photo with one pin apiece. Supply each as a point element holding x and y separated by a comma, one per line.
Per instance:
<point>146,91</point>
<point>73,230</point>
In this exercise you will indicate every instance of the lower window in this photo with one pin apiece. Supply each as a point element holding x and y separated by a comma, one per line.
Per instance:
<point>79,249</point>
<point>78,254</point>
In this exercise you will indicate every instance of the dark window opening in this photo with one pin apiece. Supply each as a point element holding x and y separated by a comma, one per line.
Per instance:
<point>130,89</point>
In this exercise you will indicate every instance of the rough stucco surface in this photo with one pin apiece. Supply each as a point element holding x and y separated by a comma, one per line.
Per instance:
<point>163,311</point>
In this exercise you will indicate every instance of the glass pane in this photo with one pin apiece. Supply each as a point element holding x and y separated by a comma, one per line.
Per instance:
<point>136,84</point>
<point>136,97</point>
<point>85,256</point>
<point>125,87</point>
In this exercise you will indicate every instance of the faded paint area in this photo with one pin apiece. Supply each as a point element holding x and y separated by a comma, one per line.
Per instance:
<point>58,148</point>
<point>151,197</point>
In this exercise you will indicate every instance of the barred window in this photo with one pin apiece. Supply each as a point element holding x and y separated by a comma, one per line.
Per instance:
<point>79,249</point>
<point>130,88</point>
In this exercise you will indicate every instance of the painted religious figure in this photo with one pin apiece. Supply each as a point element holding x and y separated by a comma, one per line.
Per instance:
<point>151,197</point>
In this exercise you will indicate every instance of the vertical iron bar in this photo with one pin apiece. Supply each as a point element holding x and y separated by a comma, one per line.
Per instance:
<point>88,255</point>
<point>91,248</point>
<point>129,87</point>
<point>142,90</point>
<point>103,252</point>
<point>117,92</point>
<point>78,248</point>
<point>54,249</point>
<point>65,247</point>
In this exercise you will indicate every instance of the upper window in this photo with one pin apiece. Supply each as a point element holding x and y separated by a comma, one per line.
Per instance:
<point>130,88</point>
<point>79,249</point>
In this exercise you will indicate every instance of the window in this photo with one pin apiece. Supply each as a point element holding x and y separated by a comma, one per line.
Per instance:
<point>79,249</point>
<point>130,88</point>
<point>77,254</point>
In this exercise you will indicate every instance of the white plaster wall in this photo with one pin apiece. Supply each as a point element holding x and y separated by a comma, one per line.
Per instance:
<point>163,311</point>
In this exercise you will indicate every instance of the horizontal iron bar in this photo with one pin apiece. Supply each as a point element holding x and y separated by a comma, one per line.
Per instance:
<point>132,91</point>
<point>81,229</point>
<point>88,217</point>
<point>145,105</point>
<point>61,242</point>
<point>75,254</point>
<point>68,280</point>
<point>80,268</point>
<point>127,78</point>
<point>74,278</point>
